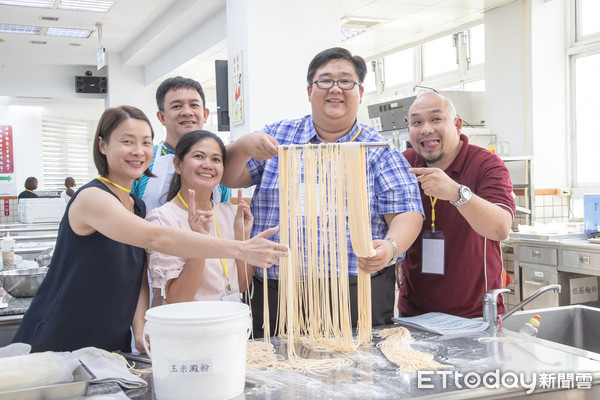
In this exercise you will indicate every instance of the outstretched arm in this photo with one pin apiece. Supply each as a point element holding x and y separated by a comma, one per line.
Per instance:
<point>95,210</point>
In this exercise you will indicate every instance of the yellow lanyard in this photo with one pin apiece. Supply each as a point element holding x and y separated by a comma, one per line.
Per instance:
<point>163,151</point>
<point>222,260</point>
<point>357,133</point>
<point>432,200</point>
<point>30,191</point>
<point>353,137</point>
<point>115,184</point>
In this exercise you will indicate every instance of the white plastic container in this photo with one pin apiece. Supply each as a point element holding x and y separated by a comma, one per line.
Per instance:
<point>8,252</point>
<point>198,349</point>
<point>41,210</point>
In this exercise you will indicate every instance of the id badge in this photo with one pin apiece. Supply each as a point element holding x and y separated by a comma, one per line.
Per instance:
<point>433,253</point>
<point>233,296</point>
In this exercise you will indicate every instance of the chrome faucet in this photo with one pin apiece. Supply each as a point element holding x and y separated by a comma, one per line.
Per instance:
<point>490,303</point>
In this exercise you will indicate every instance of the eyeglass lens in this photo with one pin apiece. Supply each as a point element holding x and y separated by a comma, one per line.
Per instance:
<point>344,84</point>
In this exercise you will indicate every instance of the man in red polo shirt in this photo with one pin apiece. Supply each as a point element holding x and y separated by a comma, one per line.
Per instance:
<point>458,257</point>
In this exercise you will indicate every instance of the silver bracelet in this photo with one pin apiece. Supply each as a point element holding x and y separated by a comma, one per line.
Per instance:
<point>395,246</point>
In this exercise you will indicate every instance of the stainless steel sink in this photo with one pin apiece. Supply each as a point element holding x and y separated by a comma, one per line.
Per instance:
<point>576,326</point>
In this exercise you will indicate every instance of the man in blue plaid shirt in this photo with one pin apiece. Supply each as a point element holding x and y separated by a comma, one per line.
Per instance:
<point>335,91</point>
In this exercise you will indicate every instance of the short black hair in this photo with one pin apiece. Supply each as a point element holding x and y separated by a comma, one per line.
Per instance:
<point>31,183</point>
<point>176,83</point>
<point>336,53</point>
<point>69,181</point>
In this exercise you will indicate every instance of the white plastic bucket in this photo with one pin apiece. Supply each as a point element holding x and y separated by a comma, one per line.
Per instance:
<point>198,349</point>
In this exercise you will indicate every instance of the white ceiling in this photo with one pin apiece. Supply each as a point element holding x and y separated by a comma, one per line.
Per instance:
<point>142,29</point>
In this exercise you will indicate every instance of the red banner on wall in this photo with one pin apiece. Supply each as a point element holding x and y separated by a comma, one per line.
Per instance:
<point>7,164</point>
<point>6,207</point>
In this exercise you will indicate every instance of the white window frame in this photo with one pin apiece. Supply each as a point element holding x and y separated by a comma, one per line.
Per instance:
<point>580,46</point>
<point>67,151</point>
<point>464,73</point>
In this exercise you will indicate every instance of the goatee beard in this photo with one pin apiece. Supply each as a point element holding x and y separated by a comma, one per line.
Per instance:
<point>433,160</point>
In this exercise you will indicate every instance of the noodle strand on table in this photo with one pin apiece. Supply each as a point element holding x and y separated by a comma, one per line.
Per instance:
<point>396,347</point>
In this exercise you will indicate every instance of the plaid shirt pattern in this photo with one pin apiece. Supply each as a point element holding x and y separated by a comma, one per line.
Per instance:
<point>392,189</point>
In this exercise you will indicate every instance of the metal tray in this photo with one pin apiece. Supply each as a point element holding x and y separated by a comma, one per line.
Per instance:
<point>78,388</point>
<point>532,236</point>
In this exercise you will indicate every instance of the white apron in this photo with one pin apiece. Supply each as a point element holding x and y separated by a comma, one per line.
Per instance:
<point>157,187</point>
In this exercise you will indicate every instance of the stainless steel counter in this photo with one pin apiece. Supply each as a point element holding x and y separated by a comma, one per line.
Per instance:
<point>373,377</point>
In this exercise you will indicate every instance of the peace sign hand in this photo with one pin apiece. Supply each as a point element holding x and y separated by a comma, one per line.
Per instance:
<point>199,220</point>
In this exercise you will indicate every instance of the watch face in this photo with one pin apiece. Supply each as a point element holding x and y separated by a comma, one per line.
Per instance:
<point>465,195</point>
<point>465,192</point>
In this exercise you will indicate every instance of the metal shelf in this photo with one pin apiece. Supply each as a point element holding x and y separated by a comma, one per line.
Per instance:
<point>529,209</point>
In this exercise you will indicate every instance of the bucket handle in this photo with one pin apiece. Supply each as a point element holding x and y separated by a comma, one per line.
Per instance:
<point>146,344</point>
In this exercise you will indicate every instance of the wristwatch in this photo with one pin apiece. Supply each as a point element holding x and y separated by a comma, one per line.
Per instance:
<point>395,246</point>
<point>464,194</point>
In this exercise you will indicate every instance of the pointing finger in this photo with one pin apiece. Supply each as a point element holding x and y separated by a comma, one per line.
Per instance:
<point>420,171</point>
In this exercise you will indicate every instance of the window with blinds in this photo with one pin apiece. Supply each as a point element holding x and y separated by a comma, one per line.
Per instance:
<point>67,151</point>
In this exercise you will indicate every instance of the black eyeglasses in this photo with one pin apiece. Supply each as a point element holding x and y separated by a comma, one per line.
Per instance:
<point>344,84</point>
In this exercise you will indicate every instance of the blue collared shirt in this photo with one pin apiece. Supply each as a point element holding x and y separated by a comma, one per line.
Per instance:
<point>391,188</point>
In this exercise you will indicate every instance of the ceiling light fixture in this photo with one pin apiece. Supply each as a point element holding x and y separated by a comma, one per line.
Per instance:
<point>68,32</point>
<point>354,26</point>
<point>28,3</point>
<point>86,5</point>
<point>20,29</point>
<point>350,33</point>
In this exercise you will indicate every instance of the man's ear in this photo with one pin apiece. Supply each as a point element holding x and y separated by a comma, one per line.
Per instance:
<point>458,122</point>
<point>161,117</point>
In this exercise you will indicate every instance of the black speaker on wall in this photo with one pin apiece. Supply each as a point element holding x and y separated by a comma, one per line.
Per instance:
<point>222,95</point>
<point>90,84</point>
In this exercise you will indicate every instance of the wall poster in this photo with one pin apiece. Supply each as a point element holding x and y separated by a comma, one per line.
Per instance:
<point>7,162</point>
<point>237,95</point>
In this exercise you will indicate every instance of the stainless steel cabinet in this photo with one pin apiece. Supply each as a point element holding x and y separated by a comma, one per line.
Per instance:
<point>539,255</point>
<point>537,267</point>
<point>580,261</point>
<point>567,262</point>
<point>8,327</point>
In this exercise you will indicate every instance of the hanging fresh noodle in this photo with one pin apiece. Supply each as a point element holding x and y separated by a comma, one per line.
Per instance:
<point>359,222</point>
<point>396,347</point>
<point>320,191</point>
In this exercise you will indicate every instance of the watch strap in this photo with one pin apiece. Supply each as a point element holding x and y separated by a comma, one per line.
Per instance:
<point>461,197</point>
<point>395,246</point>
